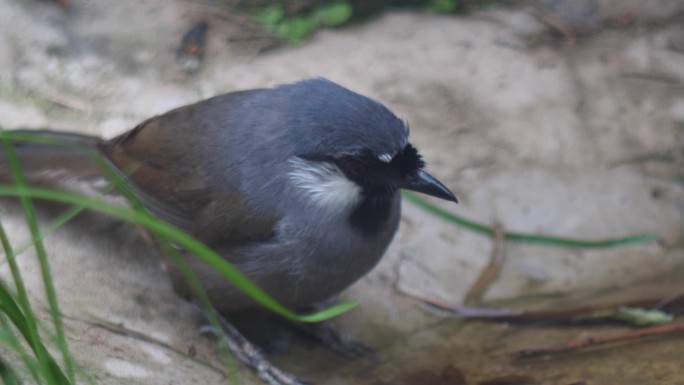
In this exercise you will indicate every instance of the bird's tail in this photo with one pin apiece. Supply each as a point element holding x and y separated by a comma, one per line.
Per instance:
<point>50,156</point>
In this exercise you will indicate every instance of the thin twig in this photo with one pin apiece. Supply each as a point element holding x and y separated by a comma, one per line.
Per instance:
<point>653,76</point>
<point>451,309</point>
<point>491,272</point>
<point>63,99</point>
<point>589,342</point>
<point>573,315</point>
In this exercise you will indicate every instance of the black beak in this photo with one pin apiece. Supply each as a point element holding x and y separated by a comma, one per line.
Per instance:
<point>422,182</point>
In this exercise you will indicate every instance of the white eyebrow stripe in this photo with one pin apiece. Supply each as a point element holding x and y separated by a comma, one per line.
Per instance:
<point>385,158</point>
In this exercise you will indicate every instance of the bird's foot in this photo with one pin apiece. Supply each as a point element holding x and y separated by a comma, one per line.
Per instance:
<point>250,355</point>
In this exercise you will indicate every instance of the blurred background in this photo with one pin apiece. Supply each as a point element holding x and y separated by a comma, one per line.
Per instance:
<point>557,117</point>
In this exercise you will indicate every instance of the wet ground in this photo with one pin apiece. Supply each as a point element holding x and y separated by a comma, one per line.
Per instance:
<point>579,135</point>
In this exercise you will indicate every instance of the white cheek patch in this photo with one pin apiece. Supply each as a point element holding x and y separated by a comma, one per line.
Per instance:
<point>324,183</point>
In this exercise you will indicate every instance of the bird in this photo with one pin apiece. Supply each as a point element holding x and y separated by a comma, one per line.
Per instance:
<point>298,186</point>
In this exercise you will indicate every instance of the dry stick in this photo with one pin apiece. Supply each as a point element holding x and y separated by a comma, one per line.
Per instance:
<point>653,76</point>
<point>62,99</point>
<point>673,304</point>
<point>562,315</point>
<point>589,342</point>
<point>675,301</point>
<point>491,272</point>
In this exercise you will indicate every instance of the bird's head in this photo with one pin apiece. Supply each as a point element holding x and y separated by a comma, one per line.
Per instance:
<point>353,153</point>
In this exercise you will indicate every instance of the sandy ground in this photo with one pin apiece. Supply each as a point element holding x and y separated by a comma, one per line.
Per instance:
<point>583,140</point>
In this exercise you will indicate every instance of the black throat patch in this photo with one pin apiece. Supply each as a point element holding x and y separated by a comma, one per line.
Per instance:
<point>373,212</point>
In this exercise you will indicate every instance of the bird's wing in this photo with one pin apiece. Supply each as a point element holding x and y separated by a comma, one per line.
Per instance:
<point>174,164</point>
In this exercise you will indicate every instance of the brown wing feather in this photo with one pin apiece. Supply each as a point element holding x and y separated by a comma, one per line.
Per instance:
<point>170,175</point>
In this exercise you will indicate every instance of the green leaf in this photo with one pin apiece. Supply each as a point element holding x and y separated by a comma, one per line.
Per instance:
<point>443,6</point>
<point>329,312</point>
<point>296,30</point>
<point>269,16</point>
<point>332,14</point>
<point>644,317</point>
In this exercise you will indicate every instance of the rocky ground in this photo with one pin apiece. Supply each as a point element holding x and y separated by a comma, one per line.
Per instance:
<point>563,118</point>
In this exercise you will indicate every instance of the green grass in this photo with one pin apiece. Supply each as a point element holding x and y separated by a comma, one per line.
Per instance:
<point>541,239</point>
<point>18,309</point>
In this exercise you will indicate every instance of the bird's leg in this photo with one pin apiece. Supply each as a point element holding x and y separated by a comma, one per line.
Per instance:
<point>336,340</point>
<point>250,355</point>
<point>325,333</point>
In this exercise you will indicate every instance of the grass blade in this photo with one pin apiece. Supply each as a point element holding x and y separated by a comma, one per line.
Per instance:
<point>7,374</point>
<point>49,367</point>
<point>525,237</point>
<point>41,253</point>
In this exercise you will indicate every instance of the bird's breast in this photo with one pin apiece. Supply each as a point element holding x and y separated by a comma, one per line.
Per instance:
<point>335,254</point>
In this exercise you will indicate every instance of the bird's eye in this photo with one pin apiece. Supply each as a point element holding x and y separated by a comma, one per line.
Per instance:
<point>356,168</point>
